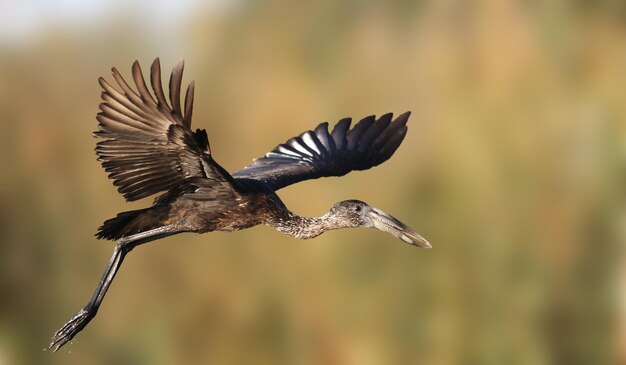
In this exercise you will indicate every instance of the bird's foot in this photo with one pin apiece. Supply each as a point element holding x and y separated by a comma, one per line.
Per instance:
<point>71,328</point>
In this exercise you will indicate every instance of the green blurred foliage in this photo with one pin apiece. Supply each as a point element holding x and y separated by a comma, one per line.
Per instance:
<point>514,168</point>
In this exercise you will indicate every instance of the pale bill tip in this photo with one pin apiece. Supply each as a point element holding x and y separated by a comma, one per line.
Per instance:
<point>417,242</point>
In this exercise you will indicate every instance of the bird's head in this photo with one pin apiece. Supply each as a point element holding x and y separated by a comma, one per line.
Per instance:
<point>355,213</point>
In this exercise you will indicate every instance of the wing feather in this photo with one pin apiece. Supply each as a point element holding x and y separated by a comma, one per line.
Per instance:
<point>142,87</point>
<point>355,133</point>
<point>157,86</point>
<point>320,153</point>
<point>339,133</point>
<point>176,79</point>
<point>148,146</point>
<point>189,104</point>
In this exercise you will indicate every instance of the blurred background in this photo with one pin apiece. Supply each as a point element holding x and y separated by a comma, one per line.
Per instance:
<point>514,168</point>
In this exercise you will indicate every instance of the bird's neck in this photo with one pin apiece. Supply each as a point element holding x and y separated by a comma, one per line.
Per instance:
<point>304,227</point>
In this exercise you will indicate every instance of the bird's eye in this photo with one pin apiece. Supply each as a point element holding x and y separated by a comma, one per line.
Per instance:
<point>358,208</point>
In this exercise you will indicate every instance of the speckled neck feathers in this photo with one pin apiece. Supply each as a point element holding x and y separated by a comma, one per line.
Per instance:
<point>306,227</point>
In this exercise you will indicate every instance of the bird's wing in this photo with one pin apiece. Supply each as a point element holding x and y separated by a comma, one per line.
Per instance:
<point>320,153</point>
<point>148,146</point>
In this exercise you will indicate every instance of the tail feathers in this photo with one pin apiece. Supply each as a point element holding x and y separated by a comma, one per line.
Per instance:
<point>128,223</point>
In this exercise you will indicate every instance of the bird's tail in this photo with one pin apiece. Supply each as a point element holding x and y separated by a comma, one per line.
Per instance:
<point>131,222</point>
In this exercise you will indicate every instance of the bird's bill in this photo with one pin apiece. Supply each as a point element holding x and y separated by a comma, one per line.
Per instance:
<point>389,224</point>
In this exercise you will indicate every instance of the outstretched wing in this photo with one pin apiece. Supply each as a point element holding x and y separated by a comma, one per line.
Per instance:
<point>320,153</point>
<point>148,145</point>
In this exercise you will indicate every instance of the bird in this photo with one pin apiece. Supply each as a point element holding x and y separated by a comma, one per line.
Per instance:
<point>147,147</point>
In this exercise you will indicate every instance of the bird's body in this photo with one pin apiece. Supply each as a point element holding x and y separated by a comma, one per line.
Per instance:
<point>148,148</point>
<point>193,206</point>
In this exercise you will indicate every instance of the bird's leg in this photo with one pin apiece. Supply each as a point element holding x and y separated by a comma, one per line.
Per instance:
<point>86,314</point>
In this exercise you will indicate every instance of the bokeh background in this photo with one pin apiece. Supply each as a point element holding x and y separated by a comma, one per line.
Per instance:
<point>514,167</point>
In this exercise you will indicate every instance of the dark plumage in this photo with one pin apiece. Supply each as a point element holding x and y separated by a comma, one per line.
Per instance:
<point>147,147</point>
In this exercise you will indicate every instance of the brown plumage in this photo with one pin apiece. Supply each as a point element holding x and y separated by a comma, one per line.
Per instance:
<point>147,147</point>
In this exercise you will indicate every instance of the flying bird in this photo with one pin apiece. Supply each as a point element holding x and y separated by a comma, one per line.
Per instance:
<point>147,147</point>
